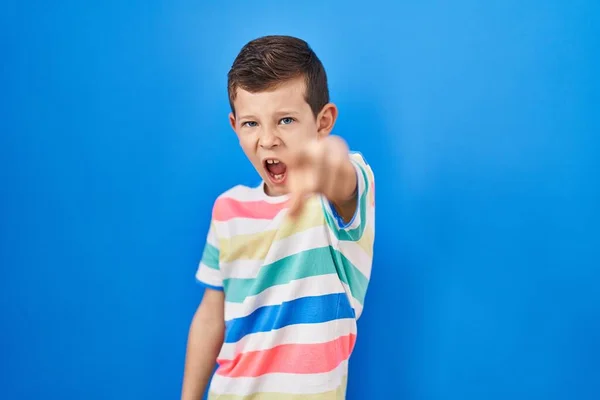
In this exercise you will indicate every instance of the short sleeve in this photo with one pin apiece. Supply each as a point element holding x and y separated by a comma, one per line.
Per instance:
<point>364,216</point>
<point>209,273</point>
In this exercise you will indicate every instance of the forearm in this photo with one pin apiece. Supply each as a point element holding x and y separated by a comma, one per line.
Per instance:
<point>204,342</point>
<point>344,197</point>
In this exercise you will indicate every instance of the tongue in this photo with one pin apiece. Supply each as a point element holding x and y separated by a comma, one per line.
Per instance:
<point>276,169</point>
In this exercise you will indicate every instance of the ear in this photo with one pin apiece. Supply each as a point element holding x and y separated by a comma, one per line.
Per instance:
<point>326,120</point>
<point>232,121</point>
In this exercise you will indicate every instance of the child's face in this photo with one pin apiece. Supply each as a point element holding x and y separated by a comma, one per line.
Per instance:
<point>268,123</point>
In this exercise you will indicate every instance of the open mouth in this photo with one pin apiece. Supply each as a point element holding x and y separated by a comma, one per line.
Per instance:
<point>276,170</point>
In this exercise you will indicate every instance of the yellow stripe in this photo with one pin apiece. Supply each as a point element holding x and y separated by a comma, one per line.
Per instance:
<point>336,394</point>
<point>256,246</point>
<point>366,240</point>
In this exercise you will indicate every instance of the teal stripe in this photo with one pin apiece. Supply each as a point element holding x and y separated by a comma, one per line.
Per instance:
<point>352,276</point>
<point>210,256</point>
<point>308,263</point>
<point>356,233</point>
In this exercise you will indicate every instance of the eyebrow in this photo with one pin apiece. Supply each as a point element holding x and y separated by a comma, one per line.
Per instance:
<point>277,113</point>
<point>240,117</point>
<point>286,112</point>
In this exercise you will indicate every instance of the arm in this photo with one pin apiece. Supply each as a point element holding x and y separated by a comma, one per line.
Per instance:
<point>205,337</point>
<point>347,187</point>
<point>204,343</point>
<point>353,232</point>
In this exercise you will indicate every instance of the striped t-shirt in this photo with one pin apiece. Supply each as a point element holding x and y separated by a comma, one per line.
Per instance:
<point>294,289</point>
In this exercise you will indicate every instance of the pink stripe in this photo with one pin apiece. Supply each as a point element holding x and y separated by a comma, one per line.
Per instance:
<point>290,358</point>
<point>227,208</point>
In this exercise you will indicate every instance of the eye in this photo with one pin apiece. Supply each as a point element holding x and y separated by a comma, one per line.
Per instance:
<point>286,120</point>
<point>249,124</point>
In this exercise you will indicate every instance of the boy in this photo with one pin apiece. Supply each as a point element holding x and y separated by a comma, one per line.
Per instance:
<point>287,263</point>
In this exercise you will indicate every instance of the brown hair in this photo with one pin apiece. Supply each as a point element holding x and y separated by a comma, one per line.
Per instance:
<point>268,61</point>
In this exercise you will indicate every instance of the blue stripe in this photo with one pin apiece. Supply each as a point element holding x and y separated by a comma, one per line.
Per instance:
<point>306,310</point>
<point>206,285</point>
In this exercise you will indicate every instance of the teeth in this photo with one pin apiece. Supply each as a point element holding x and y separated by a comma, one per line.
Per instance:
<point>278,177</point>
<point>272,161</point>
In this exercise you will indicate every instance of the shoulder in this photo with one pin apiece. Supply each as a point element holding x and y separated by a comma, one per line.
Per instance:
<point>358,158</point>
<point>366,176</point>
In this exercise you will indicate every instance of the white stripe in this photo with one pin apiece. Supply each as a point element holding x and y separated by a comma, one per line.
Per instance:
<point>371,216</point>
<point>309,239</point>
<point>275,295</point>
<point>212,237</point>
<point>358,308</point>
<point>293,334</point>
<point>245,193</point>
<point>355,254</point>
<point>208,275</point>
<point>281,382</point>
<point>249,226</point>
<point>240,269</point>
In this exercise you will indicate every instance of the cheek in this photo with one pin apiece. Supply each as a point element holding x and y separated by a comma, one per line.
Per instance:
<point>300,135</point>
<point>247,142</point>
<point>248,145</point>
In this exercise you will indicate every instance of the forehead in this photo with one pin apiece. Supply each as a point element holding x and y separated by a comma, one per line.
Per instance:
<point>288,95</point>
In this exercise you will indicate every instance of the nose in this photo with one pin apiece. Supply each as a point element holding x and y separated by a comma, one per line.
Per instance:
<point>269,139</point>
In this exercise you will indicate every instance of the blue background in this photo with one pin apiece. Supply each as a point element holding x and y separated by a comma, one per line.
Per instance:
<point>480,119</point>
